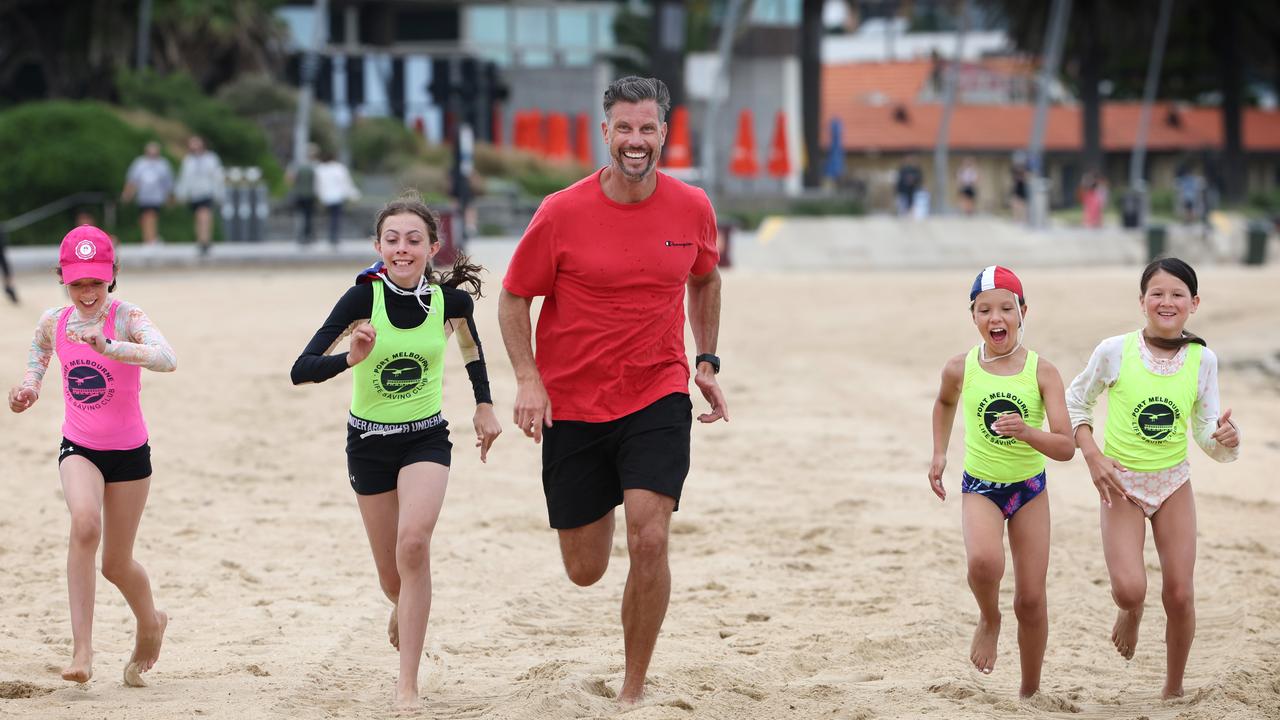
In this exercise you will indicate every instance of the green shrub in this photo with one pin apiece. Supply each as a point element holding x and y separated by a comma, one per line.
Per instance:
<point>273,106</point>
<point>545,180</point>
<point>235,140</point>
<point>432,181</point>
<point>1162,201</point>
<point>383,145</point>
<point>827,206</point>
<point>1265,201</point>
<point>49,150</point>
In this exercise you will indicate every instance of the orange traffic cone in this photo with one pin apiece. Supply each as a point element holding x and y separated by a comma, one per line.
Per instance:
<point>743,162</point>
<point>537,133</point>
<point>582,137</point>
<point>779,158</point>
<point>558,136</point>
<point>520,129</point>
<point>677,152</point>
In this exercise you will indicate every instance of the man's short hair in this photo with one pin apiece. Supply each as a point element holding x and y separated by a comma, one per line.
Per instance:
<point>633,89</point>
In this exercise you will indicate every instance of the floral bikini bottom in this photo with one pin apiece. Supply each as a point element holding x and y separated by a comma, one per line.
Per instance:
<point>1149,490</point>
<point>1009,497</point>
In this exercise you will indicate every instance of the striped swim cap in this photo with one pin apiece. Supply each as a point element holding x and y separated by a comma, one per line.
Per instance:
<point>996,277</point>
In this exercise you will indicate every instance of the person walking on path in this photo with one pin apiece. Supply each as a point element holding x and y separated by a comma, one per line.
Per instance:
<point>607,394</point>
<point>302,188</point>
<point>105,457</point>
<point>6,273</point>
<point>334,188</point>
<point>149,181</point>
<point>201,185</point>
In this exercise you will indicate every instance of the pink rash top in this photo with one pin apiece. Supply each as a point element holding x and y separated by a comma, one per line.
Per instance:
<point>102,394</point>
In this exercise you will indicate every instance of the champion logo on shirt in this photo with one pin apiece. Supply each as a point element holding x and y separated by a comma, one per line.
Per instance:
<point>673,243</point>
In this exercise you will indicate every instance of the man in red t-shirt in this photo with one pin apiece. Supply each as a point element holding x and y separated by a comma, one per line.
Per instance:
<point>609,388</point>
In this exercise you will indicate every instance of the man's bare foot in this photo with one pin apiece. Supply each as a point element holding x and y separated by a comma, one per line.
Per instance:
<point>983,650</point>
<point>146,650</point>
<point>1024,692</point>
<point>80,669</point>
<point>1169,693</point>
<point>393,628</point>
<point>406,699</point>
<point>1125,633</point>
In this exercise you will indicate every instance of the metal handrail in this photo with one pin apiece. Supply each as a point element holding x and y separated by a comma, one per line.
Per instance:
<point>44,212</point>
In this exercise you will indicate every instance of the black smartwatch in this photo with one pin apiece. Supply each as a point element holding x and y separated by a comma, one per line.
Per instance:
<point>707,358</point>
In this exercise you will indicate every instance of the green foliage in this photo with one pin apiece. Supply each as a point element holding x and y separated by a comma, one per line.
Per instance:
<point>176,95</point>
<point>827,206</point>
<point>49,150</point>
<point>533,175</point>
<point>1267,202</point>
<point>1162,201</point>
<point>749,213</point>
<point>273,106</point>
<point>383,145</point>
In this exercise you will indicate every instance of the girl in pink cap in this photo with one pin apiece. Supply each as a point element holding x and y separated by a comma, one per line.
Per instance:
<point>104,461</point>
<point>1005,393</point>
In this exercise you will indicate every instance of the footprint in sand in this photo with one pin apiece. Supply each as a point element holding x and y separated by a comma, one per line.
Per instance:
<point>597,687</point>
<point>19,690</point>
<point>437,669</point>
<point>1051,703</point>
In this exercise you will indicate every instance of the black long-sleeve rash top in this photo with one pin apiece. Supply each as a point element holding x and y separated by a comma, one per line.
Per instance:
<point>315,364</point>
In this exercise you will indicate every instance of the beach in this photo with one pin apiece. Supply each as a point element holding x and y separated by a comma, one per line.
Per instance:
<point>814,573</point>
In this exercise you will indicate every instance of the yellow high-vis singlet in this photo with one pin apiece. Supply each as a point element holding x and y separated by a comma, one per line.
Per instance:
<point>1147,414</point>
<point>402,379</point>
<point>987,455</point>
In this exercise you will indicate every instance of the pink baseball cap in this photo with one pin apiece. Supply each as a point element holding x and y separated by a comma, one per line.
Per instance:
<point>86,253</point>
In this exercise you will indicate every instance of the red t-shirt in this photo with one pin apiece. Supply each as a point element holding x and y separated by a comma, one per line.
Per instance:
<point>610,339</point>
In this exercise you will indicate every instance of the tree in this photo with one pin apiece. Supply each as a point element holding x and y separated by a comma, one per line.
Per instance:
<point>811,89</point>
<point>1213,50</point>
<point>72,49</point>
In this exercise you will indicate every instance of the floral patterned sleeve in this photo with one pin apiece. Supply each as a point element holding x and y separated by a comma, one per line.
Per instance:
<point>41,350</point>
<point>145,345</point>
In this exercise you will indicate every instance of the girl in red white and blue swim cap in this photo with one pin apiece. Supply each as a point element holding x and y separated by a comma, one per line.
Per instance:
<point>1007,392</point>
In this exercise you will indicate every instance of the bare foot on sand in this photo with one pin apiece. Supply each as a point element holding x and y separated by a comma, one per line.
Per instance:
<point>406,699</point>
<point>1125,633</point>
<point>80,669</point>
<point>983,650</point>
<point>1170,693</point>
<point>393,628</point>
<point>146,650</point>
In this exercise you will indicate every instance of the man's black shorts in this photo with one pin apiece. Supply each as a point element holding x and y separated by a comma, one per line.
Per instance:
<point>586,466</point>
<point>115,465</point>
<point>374,461</point>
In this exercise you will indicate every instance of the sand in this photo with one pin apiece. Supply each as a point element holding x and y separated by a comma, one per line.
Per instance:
<point>814,573</point>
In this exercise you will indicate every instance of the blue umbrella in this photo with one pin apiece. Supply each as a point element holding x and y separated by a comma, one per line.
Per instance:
<point>834,168</point>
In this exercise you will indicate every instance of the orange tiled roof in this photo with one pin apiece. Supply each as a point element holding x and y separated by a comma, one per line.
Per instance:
<point>1008,127</point>
<point>867,83</point>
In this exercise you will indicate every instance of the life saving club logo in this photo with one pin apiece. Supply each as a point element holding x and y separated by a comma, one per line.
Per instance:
<point>400,375</point>
<point>1155,419</point>
<point>86,250</point>
<point>89,385</point>
<point>992,407</point>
